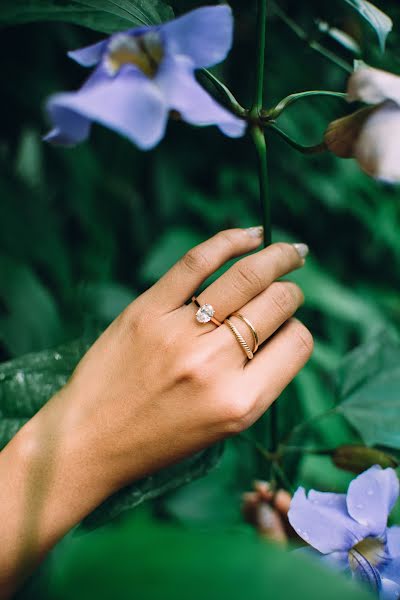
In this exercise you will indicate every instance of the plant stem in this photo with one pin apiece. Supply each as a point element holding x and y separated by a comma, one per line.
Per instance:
<point>274,113</point>
<point>259,89</point>
<point>261,149</point>
<point>260,144</point>
<point>312,43</point>
<point>306,424</point>
<point>317,149</point>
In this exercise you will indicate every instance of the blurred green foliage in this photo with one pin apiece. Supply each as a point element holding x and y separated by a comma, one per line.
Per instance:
<point>83,231</point>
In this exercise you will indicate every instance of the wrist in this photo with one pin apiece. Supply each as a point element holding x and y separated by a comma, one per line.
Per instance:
<point>59,477</point>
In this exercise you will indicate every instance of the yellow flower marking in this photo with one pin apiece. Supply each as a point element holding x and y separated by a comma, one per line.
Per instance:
<point>145,52</point>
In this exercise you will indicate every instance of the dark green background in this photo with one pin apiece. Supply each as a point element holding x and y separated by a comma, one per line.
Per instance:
<point>83,231</point>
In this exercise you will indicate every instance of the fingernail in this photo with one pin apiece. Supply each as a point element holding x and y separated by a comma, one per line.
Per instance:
<point>302,250</point>
<point>256,232</point>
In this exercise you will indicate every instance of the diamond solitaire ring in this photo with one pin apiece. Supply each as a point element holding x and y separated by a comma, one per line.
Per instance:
<point>205,314</point>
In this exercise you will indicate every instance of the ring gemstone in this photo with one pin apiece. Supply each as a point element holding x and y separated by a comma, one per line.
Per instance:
<point>205,313</point>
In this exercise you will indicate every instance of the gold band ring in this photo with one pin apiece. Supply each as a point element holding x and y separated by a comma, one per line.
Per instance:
<point>240,339</point>
<point>205,314</point>
<point>250,326</point>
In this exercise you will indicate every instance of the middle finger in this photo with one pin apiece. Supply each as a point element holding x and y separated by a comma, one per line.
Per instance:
<point>250,276</point>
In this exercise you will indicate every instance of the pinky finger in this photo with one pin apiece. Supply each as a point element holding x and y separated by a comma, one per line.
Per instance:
<point>277,363</point>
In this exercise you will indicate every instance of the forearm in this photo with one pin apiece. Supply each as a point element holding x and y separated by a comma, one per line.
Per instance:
<point>48,485</point>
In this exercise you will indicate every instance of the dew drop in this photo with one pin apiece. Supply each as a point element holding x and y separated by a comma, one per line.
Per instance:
<point>360,506</point>
<point>57,356</point>
<point>305,536</point>
<point>370,492</point>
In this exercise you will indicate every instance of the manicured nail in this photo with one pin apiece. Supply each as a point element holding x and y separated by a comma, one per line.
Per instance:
<point>256,232</point>
<point>302,250</point>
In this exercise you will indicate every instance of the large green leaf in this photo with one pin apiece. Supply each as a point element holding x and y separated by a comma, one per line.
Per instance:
<point>102,15</point>
<point>28,382</point>
<point>369,390</point>
<point>376,18</point>
<point>150,561</point>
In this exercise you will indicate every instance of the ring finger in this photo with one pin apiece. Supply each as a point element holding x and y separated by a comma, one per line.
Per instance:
<point>266,313</point>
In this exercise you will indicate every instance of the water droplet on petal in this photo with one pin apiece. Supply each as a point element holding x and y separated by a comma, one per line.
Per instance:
<point>370,492</point>
<point>360,506</point>
<point>305,536</point>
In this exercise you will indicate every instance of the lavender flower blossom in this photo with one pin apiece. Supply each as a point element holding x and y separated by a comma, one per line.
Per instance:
<point>370,135</point>
<point>142,74</point>
<point>350,531</point>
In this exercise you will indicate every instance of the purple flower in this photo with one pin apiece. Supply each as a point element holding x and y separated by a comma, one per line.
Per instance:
<point>142,74</point>
<point>350,531</point>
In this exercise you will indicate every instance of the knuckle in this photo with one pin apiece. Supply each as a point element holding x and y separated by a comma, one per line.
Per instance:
<point>304,338</point>
<point>230,239</point>
<point>236,414</point>
<point>283,297</point>
<point>284,249</point>
<point>134,320</point>
<point>195,369</point>
<point>196,261</point>
<point>248,277</point>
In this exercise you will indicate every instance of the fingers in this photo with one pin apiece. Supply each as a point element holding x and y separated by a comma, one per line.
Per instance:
<point>184,278</point>
<point>250,276</point>
<point>266,313</point>
<point>275,365</point>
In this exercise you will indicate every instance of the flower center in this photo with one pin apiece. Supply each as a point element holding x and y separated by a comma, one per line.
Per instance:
<point>144,51</point>
<point>371,550</point>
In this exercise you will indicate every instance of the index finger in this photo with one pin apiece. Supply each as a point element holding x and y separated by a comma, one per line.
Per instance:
<point>186,276</point>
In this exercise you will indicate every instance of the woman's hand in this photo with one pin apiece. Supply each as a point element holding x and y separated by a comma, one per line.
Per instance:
<point>158,385</point>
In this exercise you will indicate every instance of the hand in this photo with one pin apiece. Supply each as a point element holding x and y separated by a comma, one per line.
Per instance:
<point>157,385</point>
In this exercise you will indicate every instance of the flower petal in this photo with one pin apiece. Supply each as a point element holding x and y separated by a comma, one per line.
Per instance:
<point>90,55</point>
<point>322,520</point>
<point>130,104</point>
<point>373,86</point>
<point>366,573</point>
<point>391,570</point>
<point>389,590</point>
<point>196,106</point>
<point>393,541</point>
<point>371,496</point>
<point>378,149</point>
<point>204,35</point>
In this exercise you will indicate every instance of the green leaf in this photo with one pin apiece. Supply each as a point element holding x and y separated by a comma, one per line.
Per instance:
<point>155,485</point>
<point>368,385</point>
<point>157,561</point>
<point>27,383</point>
<point>101,15</point>
<point>376,18</point>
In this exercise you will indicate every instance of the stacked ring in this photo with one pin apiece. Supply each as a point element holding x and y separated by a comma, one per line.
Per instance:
<point>240,339</point>
<point>250,326</point>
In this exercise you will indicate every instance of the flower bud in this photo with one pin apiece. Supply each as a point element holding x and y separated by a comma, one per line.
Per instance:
<point>267,511</point>
<point>359,458</point>
<point>341,135</point>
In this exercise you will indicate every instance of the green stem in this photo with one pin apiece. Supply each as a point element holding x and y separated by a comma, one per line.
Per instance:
<point>274,113</point>
<point>259,89</point>
<point>317,149</point>
<point>312,43</point>
<point>261,149</point>
<point>305,425</point>
<point>225,93</point>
